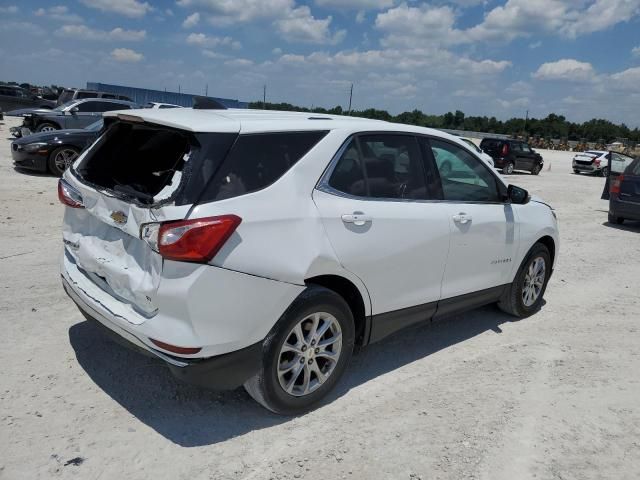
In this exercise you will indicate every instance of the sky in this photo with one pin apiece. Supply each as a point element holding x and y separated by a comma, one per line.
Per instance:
<point>578,58</point>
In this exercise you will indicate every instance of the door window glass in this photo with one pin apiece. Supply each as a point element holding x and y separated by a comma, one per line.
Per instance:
<point>89,107</point>
<point>463,177</point>
<point>348,176</point>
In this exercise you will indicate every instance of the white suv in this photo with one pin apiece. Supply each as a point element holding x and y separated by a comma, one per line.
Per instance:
<point>258,248</point>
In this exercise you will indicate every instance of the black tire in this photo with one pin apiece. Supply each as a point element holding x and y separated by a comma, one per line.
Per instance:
<point>536,169</point>
<point>265,386</point>
<point>512,299</point>
<point>47,126</point>
<point>52,161</point>
<point>615,220</point>
<point>577,172</point>
<point>604,172</point>
<point>508,168</point>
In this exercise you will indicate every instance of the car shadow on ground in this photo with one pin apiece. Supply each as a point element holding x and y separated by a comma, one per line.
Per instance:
<point>33,173</point>
<point>627,226</point>
<point>190,416</point>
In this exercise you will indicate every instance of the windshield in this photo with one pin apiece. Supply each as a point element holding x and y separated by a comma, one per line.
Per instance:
<point>59,108</point>
<point>95,126</point>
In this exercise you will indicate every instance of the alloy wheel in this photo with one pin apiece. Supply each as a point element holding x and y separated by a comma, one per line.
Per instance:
<point>47,128</point>
<point>65,158</point>
<point>309,354</point>
<point>534,281</point>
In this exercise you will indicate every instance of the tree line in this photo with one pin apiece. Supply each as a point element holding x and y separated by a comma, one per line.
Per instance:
<point>552,126</point>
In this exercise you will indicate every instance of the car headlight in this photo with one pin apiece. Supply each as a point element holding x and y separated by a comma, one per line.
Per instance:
<point>34,147</point>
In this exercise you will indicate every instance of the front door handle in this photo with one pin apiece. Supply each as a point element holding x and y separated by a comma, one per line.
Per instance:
<point>357,218</point>
<point>462,218</point>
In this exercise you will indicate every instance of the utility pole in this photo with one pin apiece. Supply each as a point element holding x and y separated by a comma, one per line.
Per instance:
<point>178,88</point>
<point>526,120</point>
<point>264,97</point>
<point>206,90</point>
<point>350,98</point>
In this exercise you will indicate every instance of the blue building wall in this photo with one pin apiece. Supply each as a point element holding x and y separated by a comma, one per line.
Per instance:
<point>143,95</point>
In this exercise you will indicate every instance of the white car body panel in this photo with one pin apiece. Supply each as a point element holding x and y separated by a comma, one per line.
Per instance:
<point>413,253</point>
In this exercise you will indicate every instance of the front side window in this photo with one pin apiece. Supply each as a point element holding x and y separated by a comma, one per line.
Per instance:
<point>258,160</point>
<point>381,166</point>
<point>89,107</point>
<point>463,176</point>
<point>110,106</point>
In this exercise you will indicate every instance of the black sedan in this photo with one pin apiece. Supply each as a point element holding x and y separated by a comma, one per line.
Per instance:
<point>53,151</point>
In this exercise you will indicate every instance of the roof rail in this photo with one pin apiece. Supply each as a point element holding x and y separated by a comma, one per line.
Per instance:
<point>206,103</point>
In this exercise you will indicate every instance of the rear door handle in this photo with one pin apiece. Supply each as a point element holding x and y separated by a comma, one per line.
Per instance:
<point>357,218</point>
<point>462,218</point>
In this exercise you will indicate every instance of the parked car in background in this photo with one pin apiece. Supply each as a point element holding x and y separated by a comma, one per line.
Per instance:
<point>478,150</point>
<point>53,151</point>
<point>13,97</point>
<point>73,114</point>
<point>510,155</point>
<point>258,247</point>
<point>161,105</point>
<point>624,188</point>
<point>592,161</point>
<point>69,94</point>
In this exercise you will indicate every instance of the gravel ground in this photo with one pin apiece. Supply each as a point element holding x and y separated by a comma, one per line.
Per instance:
<point>555,396</point>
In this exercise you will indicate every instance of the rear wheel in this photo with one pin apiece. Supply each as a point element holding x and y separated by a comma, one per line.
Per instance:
<point>577,172</point>
<point>616,220</point>
<point>604,172</point>
<point>536,169</point>
<point>508,168</point>
<point>305,353</point>
<point>61,159</point>
<point>524,296</point>
<point>47,127</point>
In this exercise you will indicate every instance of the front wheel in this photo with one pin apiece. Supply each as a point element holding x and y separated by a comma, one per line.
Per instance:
<point>47,127</point>
<point>524,296</point>
<point>536,169</point>
<point>61,159</point>
<point>305,354</point>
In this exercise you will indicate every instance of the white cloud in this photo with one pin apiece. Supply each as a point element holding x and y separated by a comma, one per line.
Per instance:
<point>361,16</point>
<point>534,45</point>
<point>82,32</point>
<point>191,21</point>
<point>239,62</point>
<point>517,18</point>
<point>9,9</point>
<point>626,80</point>
<point>229,12</point>
<point>423,25</point>
<point>126,55</point>
<point>212,54</point>
<point>59,13</point>
<point>207,41</point>
<point>301,26</point>
<point>356,4</point>
<point>21,28</point>
<point>128,8</point>
<point>277,51</point>
<point>635,51</point>
<point>565,69</point>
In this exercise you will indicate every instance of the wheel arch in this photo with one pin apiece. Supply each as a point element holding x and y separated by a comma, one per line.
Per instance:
<point>358,303</point>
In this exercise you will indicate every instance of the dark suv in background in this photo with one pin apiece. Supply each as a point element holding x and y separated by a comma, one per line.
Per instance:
<point>624,188</point>
<point>13,97</point>
<point>510,155</point>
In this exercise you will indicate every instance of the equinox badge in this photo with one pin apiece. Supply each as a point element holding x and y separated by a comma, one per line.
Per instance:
<point>119,217</point>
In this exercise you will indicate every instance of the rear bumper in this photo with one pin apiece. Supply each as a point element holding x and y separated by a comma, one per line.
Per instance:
<point>626,210</point>
<point>585,168</point>
<point>221,372</point>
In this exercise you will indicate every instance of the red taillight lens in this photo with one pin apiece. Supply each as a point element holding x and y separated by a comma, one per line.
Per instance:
<point>615,184</point>
<point>195,240</point>
<point>68,195</point>
<point>505,150</point>
<point>597,162</point>
<point>175,349</point>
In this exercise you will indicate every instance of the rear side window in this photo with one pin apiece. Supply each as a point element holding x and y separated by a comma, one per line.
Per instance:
<point>258,160</point>
<point>80,95</point>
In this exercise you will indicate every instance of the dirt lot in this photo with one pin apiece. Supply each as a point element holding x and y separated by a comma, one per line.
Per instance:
<point>555,396</point>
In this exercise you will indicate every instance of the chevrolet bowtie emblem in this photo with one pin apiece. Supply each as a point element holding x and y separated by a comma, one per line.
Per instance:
<point>119,217</point>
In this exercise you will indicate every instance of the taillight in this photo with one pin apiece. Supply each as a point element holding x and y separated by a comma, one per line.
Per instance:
<point>505,150</point>
<point>68,195</point>
<point>615,184</point>
<point>196,240</point>
<point>597,162</point>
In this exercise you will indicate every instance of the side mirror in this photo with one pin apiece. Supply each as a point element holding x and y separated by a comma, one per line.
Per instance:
<point>74,110</point>
<point>518,195</point>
